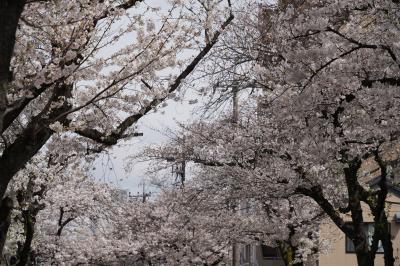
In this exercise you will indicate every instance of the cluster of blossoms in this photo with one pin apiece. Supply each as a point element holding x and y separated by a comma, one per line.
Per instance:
<point>317,85</point>
<point>75,77</point>
<point>327,79</point>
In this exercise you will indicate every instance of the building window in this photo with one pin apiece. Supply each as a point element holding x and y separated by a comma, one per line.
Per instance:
<point>369,232</point>
<point>270,253</point>
<point>245,255</point>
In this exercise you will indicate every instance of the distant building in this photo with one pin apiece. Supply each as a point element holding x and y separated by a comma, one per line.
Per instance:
<point>342,248</point>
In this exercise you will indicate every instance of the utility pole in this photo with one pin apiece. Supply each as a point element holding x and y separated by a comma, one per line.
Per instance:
<point>235,104</point>
<point>179,170</point>
<point>145,195</point>
<point>235,120</point>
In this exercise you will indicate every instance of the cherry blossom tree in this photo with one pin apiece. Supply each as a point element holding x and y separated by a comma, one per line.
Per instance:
<point>333,105</point>
<point>232,175</point>
<point>89,70</point>
<point>64,217</point>
<point>59,210</point>
<point>330,103</point>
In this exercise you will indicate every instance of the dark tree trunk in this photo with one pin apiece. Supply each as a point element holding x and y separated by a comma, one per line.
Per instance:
<point>360,241</point>
<point>364,257</point>
<point>10,12</point>
<point>357,194</point>
<point>30,141</point>
<point>382,232</point>
<point>381,224</point>
<point>5,220</point>
<point>20,152</point>
<point>387,245</point>
<point>26,197</point>
<point>24,254</point>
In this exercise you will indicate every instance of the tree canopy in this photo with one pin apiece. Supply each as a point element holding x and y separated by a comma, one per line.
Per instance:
<point>315,94</point>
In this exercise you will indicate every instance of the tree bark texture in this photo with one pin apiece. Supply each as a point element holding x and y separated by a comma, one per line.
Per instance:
<point>10,12</point>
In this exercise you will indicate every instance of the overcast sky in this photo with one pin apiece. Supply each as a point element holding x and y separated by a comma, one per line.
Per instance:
<point>111,168</point>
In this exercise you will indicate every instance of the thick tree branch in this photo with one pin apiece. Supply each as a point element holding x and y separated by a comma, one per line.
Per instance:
<point>393,81</point>
<point>13,111</point>
<point>32,139</point>
<point>126,5</point>
<point>61,223</point>
<point>317,195</point>
<point>132,119</point>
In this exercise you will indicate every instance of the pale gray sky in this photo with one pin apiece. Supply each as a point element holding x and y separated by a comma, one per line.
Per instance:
<point>111,168</point>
